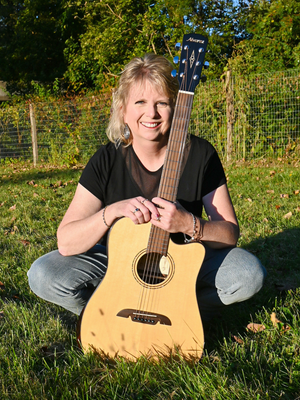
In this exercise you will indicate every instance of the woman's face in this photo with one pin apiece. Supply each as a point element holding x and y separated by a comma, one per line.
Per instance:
<point>148,113</point>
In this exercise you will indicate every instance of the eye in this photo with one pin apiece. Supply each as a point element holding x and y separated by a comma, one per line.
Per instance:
<point>163,103</point>
<point>140,102</point>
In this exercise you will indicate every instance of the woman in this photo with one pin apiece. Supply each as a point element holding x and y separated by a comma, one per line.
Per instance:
<point>122,179</point>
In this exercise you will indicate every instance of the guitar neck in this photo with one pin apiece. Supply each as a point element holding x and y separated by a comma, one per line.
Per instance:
<point>168,188</point>
<point>191,62</point>
<point>174,155</point>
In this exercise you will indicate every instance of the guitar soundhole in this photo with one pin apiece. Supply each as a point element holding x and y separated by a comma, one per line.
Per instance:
<point>153,269</point>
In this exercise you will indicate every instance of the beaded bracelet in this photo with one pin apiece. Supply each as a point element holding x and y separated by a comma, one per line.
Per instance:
<point>193,237</point>
<point>103,217</point>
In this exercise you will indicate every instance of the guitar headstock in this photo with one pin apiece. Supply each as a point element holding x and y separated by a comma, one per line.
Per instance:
<point>191,61</point>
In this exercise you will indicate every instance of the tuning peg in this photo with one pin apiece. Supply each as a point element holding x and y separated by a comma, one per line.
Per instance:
<point>178,46</point>
<point>203,78</point>
<point>176,60</point>
<point>206,65</point>
<point>174,73</point>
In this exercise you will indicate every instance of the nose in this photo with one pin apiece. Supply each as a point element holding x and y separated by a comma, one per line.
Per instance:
<point>152,111</point>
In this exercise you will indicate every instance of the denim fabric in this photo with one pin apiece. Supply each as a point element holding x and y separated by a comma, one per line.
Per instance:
<point>227,276</point>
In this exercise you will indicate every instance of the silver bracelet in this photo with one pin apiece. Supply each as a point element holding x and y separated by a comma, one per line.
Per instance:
<point>193,237</point>
<point>103,217</point>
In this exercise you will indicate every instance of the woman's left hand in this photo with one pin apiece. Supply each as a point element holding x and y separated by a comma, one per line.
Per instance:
<point>172,217</point>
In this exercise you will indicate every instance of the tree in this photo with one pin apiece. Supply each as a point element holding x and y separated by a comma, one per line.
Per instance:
<point>274,44</point>
<point>32,41</point>
<point>114,31</point>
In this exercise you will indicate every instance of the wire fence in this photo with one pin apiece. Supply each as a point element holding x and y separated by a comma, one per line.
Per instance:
<point>243,118</point>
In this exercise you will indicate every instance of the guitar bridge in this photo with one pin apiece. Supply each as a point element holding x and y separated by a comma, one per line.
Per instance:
<point>144,317</point>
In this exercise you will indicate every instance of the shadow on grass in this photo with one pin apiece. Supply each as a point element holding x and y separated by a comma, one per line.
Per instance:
<point>35,174</point>
<point>280,255</point>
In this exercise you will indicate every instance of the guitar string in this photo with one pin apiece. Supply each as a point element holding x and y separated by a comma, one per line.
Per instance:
<point>157,234</point>
<point>177,170</point>
<point>153,258</point>
<point>153,255</point>
<point>160,237</point>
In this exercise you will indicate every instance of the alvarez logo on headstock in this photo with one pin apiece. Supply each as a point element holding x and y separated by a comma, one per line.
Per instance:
<point>191,62</point>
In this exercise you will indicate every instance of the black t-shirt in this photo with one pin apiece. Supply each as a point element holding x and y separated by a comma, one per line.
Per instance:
<point>115,174</point>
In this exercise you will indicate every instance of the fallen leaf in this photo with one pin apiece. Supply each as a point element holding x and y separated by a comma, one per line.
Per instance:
<point>2,287</point>
<point>270,191</point>
<point>265,220</point>
<point>288,215</point>
<point>274,319</point>
<point>256,327</point>
<point>284,196</point>
<point>35,195</point>
<point>25,242</point>
<point>276,322</point>
<point>250,200</point>
<point>237,339</point>
<point>30,183</point>
<point>277,207</point>
<point>13,207</point>
<point>296,192</point>
<point>272,173</point>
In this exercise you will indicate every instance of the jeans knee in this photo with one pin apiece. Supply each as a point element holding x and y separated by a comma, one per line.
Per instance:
<point>244,282</point>
<point>36,277</point>
<point>255,276</point>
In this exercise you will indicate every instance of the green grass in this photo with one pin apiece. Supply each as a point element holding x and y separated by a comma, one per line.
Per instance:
<point>39,355</point>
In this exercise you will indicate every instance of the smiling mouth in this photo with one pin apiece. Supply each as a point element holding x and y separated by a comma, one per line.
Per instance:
<point>150,124</point>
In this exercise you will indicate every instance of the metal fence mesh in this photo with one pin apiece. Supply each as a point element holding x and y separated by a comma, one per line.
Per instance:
<point>243,118</point>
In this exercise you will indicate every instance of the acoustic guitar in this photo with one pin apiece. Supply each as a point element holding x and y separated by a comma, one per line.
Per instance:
<point>146,303</point>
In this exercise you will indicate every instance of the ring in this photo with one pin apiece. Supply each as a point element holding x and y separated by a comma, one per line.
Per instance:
<point>158,217</point>
<point>144,201</point>
<point>136,210</point>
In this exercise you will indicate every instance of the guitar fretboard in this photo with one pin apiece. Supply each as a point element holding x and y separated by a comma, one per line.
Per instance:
<point>168,188</point>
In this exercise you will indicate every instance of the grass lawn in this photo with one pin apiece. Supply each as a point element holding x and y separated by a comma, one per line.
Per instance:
<point>39,355</point>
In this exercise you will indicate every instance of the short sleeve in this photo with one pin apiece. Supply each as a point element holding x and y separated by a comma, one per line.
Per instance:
<point>214,175</point>
<point>95,175</point>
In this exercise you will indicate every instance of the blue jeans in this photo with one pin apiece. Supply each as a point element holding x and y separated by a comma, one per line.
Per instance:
<point>227,276</point>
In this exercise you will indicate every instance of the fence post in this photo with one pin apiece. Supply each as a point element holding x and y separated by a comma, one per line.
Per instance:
<point>229,112</point>
<point>33,135</point>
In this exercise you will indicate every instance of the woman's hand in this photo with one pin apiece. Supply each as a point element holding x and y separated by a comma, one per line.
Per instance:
<point>138,209</point>
<point>172,217</point>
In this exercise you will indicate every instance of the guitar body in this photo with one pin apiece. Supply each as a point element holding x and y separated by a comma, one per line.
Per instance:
<point>132,315</point>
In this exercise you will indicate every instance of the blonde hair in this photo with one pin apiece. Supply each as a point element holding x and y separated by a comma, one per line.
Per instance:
<point>157,70</point>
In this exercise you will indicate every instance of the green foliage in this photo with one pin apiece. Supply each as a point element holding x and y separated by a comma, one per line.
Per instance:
<point>31,42</point>
<point>117,31</point>
<point>274,27</point>
<point>77,45</point>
